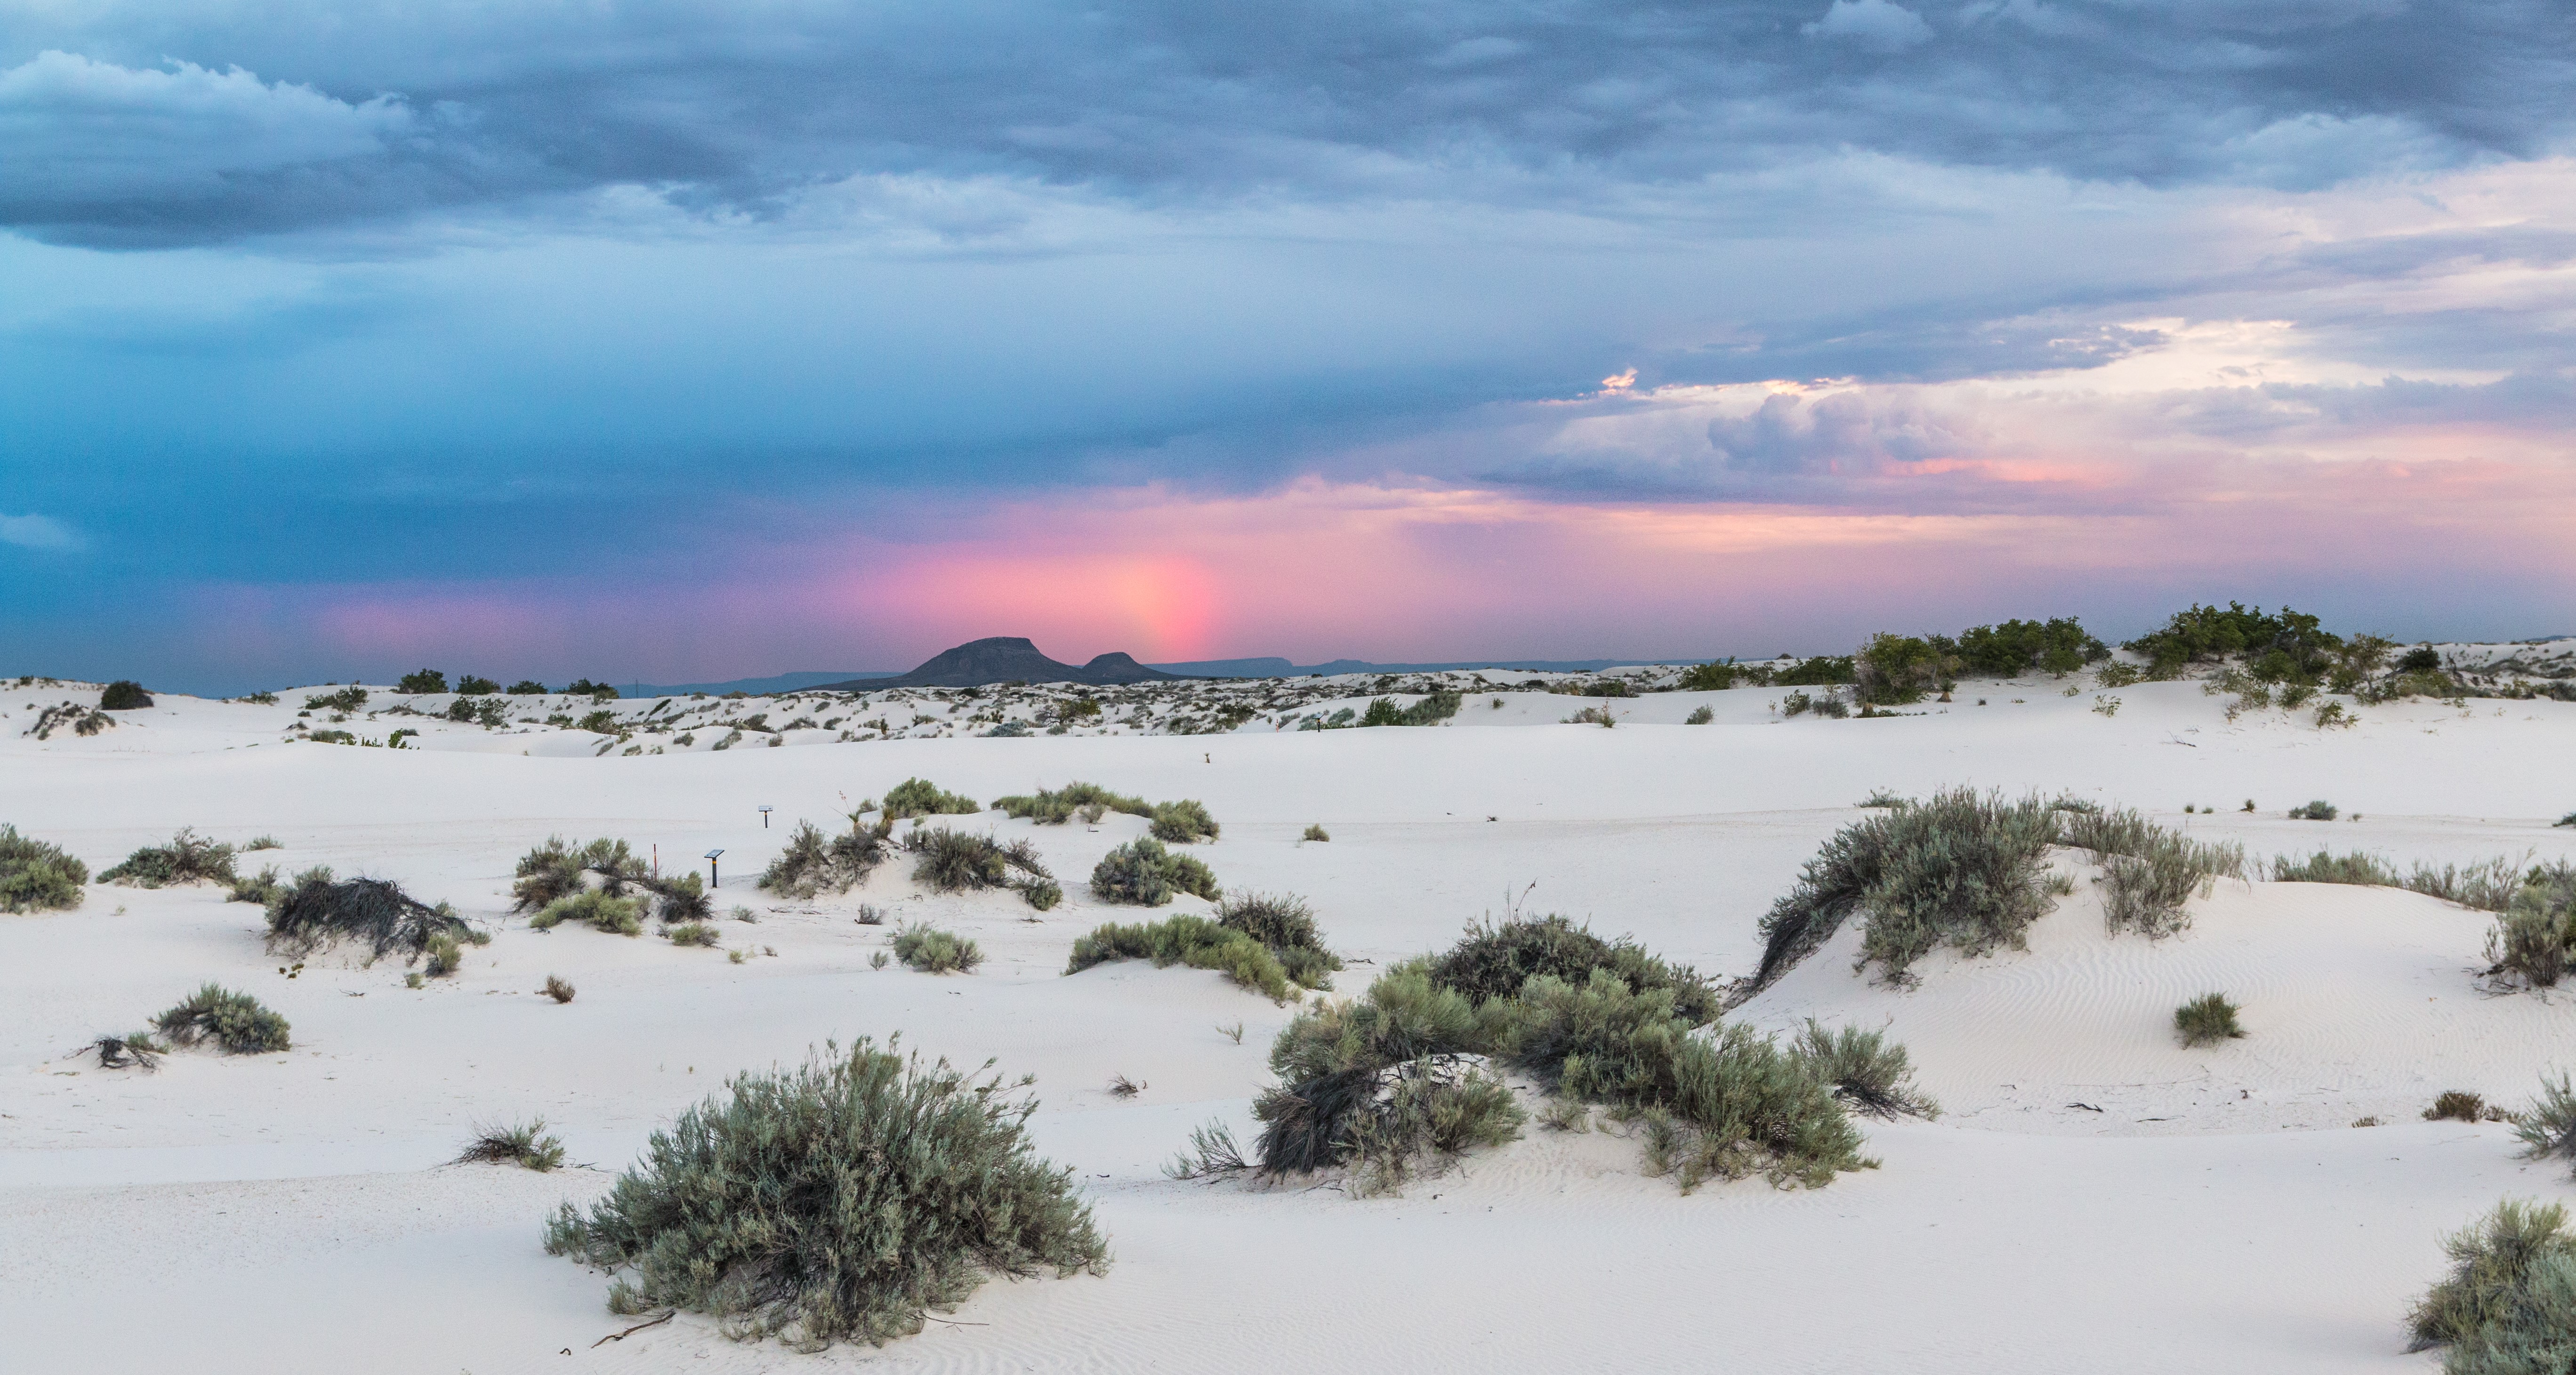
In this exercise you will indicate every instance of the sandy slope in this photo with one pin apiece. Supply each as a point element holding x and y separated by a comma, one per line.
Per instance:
<point>287,1211</point>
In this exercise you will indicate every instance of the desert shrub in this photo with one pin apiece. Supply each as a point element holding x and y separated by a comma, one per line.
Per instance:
<point>1493,960</point>
<point>1056,806</point>
<point>1960,869</point>
<point>422,681</point>
<point>954,861</point>
<point>188,858</point>
<point>36,876</point>
<point>1817,672</point>
<point>2456,1105</point>
<point>2207,1019</point>
<point>594,908</point>
<point>445,956</point>
<point>124,694</point>
<point>526,1145</point>
<point>1881,797</point>
<point>557,989</point>
<point>557,870</point>
<point>1143,873</point>
<point>2532,944</point>
<point>1182,823</point>
<point>693,933</point>
<point>2548,1127</point>
<point>1594,716</point>
<point>583,687</point>
<point>748,1209</point>
<point>1700,716</point>
<point>319,911</point>
<point>2148,871</point>
<point>1796,704</point>
<point>2493,885</point>
<point>2326,867</point>
<point>474,686</point>
<point>1315,831</point>
<point>1865,1070</point>
<point>933,951</point>
<point>263,887</point>
<point>1831,707</point>
<point>262,843</point>
<point>1193,941</point>
<point>1285,926</point>
<point>1892,670</point>
<point>527,687</point>
<point>1710,677</point>
<point>2492,1263</point>
<point>1338,1063</point>
<point>2567,820</point>
<point>2014,647</point>
<point>349,698</point>
<point>921,797</point>
<point>812,864</point>
<point>2319,810</point>
<point>2276,647</point>
<point>235,1022</point>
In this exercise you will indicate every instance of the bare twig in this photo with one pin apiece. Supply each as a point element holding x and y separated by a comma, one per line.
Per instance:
<point>621,1336</point>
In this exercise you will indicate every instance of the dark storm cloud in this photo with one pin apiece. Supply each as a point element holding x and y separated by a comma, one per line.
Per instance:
<point>186,125</point>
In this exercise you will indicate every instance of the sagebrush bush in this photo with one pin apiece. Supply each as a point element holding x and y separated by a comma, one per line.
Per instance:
<point>2492,1263</point>
<point>318,911</point>
<point>445,956</point>
<point>933,951</point>
<point>2327,867</point>
<point>235,1022</point>
<point>1193,941</point>
<point>2548,1127</point>
<point>188,858</point>
<point>595,909</point>
<point>2207,1019</point>
<point>812,864</point>
<point>1959,869</point>
<point>1700,716</point>
<point>1284,925</point>
<point>1182,823</point>
<point>2148,871</point>
<point>1865,1070</point>
<point>1493,960</point>
<point>558,870</point>
<point>956,861</point>
<point>1316,831</point>
<point>1144,874</point>
<point>36,876</point>
<point>2319,810</point>
<point>525,1145</point>
<point>921,797</point>
<point>693,933</point>
<point>1055,807</point>
<point>748,1207</point>
<point>124,694</point>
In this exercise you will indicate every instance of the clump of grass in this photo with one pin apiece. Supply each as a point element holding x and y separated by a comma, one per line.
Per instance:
<point>2496,1262</point>
<point>1213,1154</point>
<point>525,1145</point>
<point>2148,871</point>
<point>557,989</point>
<point>1120,1086</point>
<point>955,861</point>
<point>1881,797</point>
<point>1866,1071</point>
<point>445,956</point>
<point>1285,926</point>
<point>36,876</point>
<point>1316,831</point>
<point>693,933</point>
<point>2319,810</point>
<point>933,951</point>
<point>1494,960</point>
<point>748,1209</point>
<point>2207,1019</point>
<point>558,870</point>
<point>319,911</point>
<point>1959,869</point>
<point>2327,867</point>
<point>1056,806</point>
<point>188,858</point>
<point>263,843</point>
<point>235,1022</point>
<point>2548,1127</point>
<point>1144,874</point>
<point>1700,716</point>
<point>595,909</point>
<point>1193,941</point>
<point>921,797</point>
<point>2457,1105</point>
<point>813,864</point>
<point>1182,823</point>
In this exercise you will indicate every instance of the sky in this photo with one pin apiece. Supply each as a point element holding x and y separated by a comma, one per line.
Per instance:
<point>685,341</point>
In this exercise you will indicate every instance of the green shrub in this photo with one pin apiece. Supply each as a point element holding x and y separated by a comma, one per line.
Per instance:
<point>124,694</point>
<point>749,1209</point>
<point>1959,869</point>
<point>1495,960</point>
<point>2319,810</point>
<point>2059,646</point>
<point>1892,670</point>
<point>1041,893</point>
<point>954,861</point>
<point>1382,711</point>
<point>1315,831</point>
<point>526,1146</point>
<point>583,687</point>
<point>558,870</point>
<point>445,956</point>
<point>1700,716</point>
<point>2148,872</point>
<point>188,858</point>
<point>474,686</point>
<point>527,687</point>
<point>921,797</point>
<point>235,1022</point>
<point>2492,1264</point>
<point>318,911</point>
<point>1193,941</point>
<point>812,865</point>
<point>1182,823</point>
<point>1143,873</point>
<point>1818,672</point>
<point>2276,647</point>
<point>1333,1060</point>
<point>35,876</point>
<point>1285,926</point>
<point>2457,1105</point>
<point>1865,1070</point>
<point>423,681</point>
<point>593,908</point>
<point>2326,867</point>
<point>2207,1019</point>
<point>933,951</point>
<point>1055,807</point>
<point>264,887</point>
<point>2548,1127</point>
<point>349,698</point>
<point>693,933</point>
<point>1709,677</point>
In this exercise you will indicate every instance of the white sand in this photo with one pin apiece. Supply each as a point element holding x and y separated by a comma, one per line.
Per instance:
<point>2216,1213</point>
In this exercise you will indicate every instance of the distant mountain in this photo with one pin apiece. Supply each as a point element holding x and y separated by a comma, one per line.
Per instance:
<point>1281,668</point>
<point>784,682</point>
<point>1005,659</point>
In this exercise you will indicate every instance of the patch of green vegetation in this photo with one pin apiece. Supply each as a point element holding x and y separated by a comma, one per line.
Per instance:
<point>921,797</point>
<point>188,858</point>
<point>36,876</point>
<point>1145,874</point>
<point>2207,1020</point>
<point>933,951</point>
<point>235,1022</point>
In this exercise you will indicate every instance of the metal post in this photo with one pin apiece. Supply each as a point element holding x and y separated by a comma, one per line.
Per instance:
<point>712,880</point>
<point>764,818</point>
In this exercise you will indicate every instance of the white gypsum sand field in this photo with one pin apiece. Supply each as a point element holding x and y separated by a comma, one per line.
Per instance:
<point>2095,1197</point>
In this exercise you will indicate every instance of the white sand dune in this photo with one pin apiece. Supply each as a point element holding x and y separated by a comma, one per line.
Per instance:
<point>2216,1213</point>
